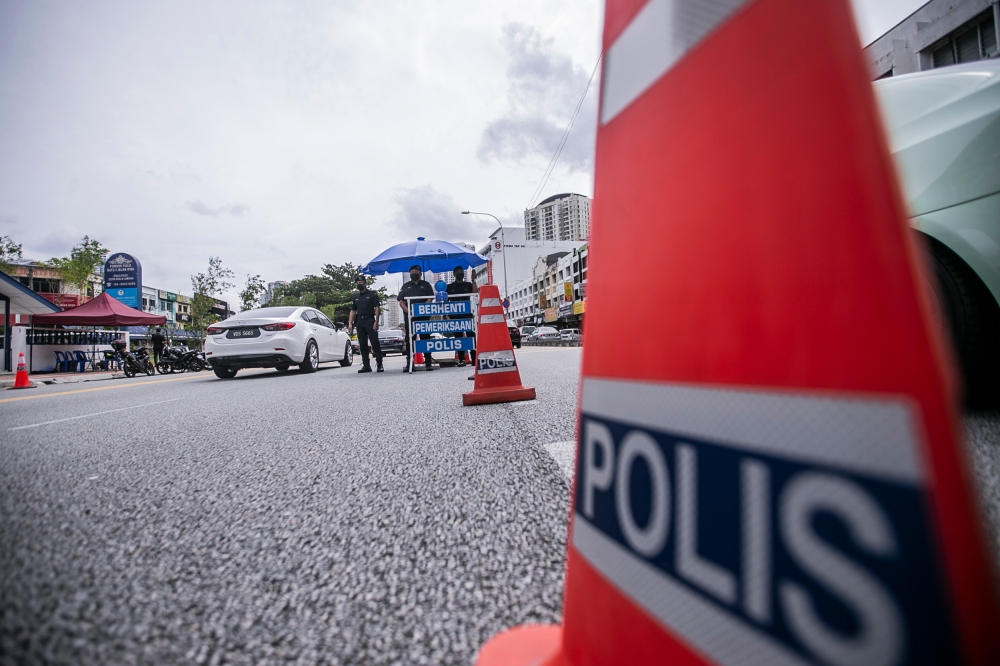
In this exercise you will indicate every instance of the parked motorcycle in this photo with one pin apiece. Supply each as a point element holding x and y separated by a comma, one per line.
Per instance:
<point>180,359</point>
<point>132,364</point>
<point>145,360</point>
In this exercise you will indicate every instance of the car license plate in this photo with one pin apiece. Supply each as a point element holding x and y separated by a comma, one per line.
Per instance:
<point>236,333</point>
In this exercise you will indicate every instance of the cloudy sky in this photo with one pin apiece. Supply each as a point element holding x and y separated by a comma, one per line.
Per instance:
<point>280,136</point>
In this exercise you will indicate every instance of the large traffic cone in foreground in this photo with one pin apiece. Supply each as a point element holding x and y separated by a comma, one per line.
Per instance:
<point>497,376</point>
<point>21,378</point>
<point>780,481</point>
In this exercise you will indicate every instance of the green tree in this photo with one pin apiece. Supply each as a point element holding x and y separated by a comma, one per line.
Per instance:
<point>9,253</point>
<point>331,292</point>
<point>78,268</point>
<point>250,296</point>
<point>206,287</point>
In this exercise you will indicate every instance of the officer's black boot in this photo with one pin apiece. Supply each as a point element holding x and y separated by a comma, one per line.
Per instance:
<point>365,368</point>
<point>378,365</point>
<point>427,362</point>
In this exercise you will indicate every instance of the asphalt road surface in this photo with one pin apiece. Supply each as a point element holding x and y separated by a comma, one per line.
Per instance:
<point>326,518</point>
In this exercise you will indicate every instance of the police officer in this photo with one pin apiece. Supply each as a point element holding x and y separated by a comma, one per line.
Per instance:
<point>365,308</point>
<point>461,290</point>
<point>415,287</point>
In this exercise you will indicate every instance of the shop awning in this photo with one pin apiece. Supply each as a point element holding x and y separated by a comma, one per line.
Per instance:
<point>23,300</point>
<point>101,311</point>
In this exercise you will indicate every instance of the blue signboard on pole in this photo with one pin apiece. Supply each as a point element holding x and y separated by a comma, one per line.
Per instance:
<point>123,279</point>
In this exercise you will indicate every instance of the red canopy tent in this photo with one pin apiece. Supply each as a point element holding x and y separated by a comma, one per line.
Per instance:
<point>101,311</point>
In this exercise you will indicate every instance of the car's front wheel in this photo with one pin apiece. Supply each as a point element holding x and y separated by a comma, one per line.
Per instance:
<point>311,361</point>
<point>965,310</point>
<point>225,373</point>
<point>348,355</point>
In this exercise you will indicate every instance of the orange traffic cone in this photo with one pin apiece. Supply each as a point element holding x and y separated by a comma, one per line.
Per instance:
<point>21,378</point>
<point>418,358</point>
<point>780,479</point>
<point>497,376</point>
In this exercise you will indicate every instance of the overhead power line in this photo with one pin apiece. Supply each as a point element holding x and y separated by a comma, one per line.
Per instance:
<point>565,136</point>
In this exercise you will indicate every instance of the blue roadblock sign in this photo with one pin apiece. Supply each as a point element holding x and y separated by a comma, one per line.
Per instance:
<point>444,326</point>
<point>446,308</point>
<point>444,345</point>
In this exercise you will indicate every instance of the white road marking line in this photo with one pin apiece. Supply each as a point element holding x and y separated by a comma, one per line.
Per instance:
<point>84,416</point>
<point>564,453</point>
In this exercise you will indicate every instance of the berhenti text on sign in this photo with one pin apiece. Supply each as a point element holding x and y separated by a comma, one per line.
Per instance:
<point>445,308</point>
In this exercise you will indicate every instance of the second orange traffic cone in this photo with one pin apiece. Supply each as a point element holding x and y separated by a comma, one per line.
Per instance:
<point>497,376</point>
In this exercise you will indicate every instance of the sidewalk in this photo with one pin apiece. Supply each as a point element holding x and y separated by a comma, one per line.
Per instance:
<point>7,378</point>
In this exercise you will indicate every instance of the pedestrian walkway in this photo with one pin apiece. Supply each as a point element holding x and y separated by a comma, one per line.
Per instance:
<point>7,378</point>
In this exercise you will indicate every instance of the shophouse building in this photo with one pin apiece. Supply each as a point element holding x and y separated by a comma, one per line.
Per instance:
<point>938,34</point>
<point>48,282</point>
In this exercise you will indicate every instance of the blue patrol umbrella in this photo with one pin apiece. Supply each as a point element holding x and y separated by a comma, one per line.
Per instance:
<point>430,255</point>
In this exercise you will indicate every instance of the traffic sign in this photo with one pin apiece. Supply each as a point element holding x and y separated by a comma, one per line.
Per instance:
<point>506,303</point>
<point>447,308</point>
<point>444,326</point>
<point>444,345</point>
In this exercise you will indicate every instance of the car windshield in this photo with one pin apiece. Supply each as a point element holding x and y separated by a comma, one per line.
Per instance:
<point>267,312</point>
<point>390,334</point>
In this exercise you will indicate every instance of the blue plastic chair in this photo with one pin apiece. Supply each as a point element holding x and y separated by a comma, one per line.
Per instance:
<point>62,363</point>
<point>81,361</point>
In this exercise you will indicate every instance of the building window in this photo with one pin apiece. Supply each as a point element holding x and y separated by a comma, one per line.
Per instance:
<point>968,44</point>
<point>45,285</point>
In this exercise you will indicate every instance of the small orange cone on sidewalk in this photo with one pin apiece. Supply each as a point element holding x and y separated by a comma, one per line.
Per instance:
<point>497,376</point>
<point>21,379</point>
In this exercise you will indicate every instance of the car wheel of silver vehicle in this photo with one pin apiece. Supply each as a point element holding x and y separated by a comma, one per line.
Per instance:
<point>348,355</point>
<point>311,361</point>
<point>225,373</point>
<point>969,316</point>
<point>282,367</point>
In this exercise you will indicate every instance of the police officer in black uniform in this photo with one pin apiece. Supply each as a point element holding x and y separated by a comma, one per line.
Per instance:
<point>461,290</point>
<point>364,310</point>
<point>415,287</point>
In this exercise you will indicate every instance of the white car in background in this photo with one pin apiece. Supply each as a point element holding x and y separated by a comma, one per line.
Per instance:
<point>277,338</point>
<point>544,334</point>
<point>569,335</point>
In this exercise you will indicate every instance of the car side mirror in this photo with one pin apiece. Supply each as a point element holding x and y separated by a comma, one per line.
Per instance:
<point>338,325</point>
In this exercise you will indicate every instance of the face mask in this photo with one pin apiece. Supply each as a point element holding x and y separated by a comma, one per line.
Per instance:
<point>362,286</point>
<point>414,276</point>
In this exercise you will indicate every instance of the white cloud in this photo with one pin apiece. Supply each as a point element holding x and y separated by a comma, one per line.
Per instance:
<point>423,211</point>
<point>545,87</point>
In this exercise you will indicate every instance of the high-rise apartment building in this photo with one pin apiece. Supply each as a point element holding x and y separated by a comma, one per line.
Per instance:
<point>562,217</point>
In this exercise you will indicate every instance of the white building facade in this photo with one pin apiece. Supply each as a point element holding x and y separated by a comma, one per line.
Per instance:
<point>514,257</point>
<point>562,217</point>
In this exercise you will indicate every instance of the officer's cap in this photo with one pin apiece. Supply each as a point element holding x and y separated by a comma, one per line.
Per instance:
<point>360,278</point>
<point>457,269</point>
<point>417,266</point>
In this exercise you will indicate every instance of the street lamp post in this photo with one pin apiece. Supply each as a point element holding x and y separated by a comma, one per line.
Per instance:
<point>503,244</point>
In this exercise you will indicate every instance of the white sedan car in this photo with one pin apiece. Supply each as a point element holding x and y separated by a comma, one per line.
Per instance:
<point>276,338</point>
